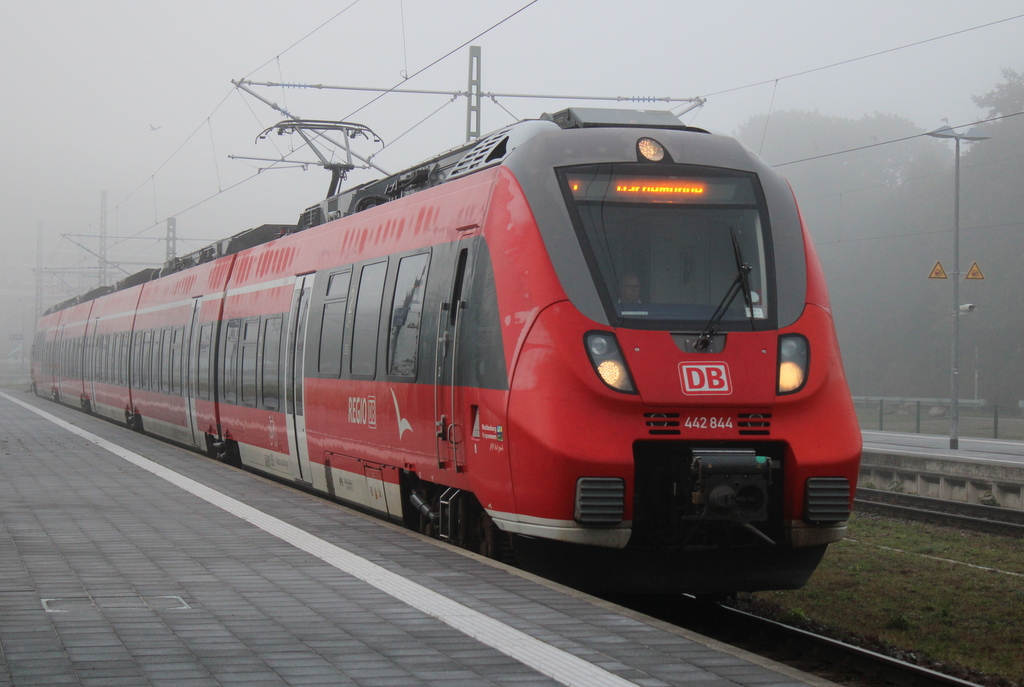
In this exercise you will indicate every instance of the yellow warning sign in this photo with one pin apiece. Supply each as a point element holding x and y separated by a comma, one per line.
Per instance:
<point>937,271</point>
<point>974,272</point>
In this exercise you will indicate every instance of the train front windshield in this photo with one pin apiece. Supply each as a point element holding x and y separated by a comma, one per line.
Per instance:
<point>666,245</point>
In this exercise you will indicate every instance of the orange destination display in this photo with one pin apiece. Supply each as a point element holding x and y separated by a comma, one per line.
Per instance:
<point>660,189</point>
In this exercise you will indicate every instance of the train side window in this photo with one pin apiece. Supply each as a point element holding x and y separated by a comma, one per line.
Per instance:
<point>337,285</point>
<point>166,360</point>
<point>367,319</point>
<point>108,358</point>
<point>231,362</point>
<point>271,371</point>
<point>154,379</point>
<point>203,368</point>
<point>460,275</point>
<point>122,365</point>
<point>111,355</point>
<point>177,337</point>
<point>406,314</point>
<point>138,346</point>
<point>147,360</point>
<point>115,359</point>
<point>332,325</point>
<point>96,363</point>
<point>100,358</point>
<point>87,349</point>
<point>250,335</point>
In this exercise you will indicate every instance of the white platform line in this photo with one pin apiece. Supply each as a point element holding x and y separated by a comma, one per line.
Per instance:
<point>557,664</point>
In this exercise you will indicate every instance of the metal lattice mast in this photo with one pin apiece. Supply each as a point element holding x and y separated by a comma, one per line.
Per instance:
<point>103,239</point>
<point>172,237</point>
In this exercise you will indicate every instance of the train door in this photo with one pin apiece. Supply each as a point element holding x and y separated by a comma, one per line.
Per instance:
<point>190,370</point>
<point>60,367</point>
<point>446,370</point>
<point>294,366</point>
<point>94,361</point>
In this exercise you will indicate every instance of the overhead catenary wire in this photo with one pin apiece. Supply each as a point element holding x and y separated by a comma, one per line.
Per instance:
<point>444,57</point>
<point>493,97</point>
<point>217,107</point>
<point>865,57</point>
<point>891,141</point>
<point>486,94</point>
<point>413,127</point>
<point>903,180</point>
<point>152,177</point>
<point>308,35</point>
<point>913,234</point>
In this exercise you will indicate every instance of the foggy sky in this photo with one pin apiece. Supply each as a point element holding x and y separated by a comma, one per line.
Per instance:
<point>98,96</point>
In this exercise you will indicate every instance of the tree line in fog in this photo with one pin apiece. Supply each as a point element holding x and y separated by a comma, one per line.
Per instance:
<point>882,215</point>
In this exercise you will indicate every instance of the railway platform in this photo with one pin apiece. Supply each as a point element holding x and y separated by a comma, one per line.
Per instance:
<point>128,561</point>
<point>986,472</point>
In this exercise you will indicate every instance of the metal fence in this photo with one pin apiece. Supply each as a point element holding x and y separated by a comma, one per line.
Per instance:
<point>931,416</point>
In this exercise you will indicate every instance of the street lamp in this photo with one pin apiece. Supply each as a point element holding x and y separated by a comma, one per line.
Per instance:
<point>954,399</point>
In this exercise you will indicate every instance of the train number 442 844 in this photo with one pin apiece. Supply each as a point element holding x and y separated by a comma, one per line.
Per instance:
<point>708,422</point>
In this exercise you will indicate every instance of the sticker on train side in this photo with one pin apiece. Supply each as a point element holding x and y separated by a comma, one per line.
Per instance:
<point>705,378</point>
<point>363,411</point>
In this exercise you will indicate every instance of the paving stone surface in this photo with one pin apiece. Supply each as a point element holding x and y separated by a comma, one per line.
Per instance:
<point>110,575</point>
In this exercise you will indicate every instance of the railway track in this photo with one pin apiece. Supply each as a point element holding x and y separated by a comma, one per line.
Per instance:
<point>839,658</point>
<point>991,519</point>
<point>813,653</point>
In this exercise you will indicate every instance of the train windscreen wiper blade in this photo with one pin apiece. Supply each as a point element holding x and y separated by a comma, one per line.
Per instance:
<point>739,284</point>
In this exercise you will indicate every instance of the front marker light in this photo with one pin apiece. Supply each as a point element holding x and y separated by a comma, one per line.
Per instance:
<point>794,355</point>
<point>603,350</point>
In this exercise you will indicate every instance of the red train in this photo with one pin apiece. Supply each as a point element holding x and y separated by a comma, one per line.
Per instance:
<point>599,342</point>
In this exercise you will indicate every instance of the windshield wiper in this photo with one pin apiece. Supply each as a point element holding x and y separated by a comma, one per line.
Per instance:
<point>739,284</point>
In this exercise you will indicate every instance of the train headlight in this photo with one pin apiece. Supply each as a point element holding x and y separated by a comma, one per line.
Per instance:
<point>610,371</point>
<point>794,355</point>
<point>605,356</point>
<point>651,149</point>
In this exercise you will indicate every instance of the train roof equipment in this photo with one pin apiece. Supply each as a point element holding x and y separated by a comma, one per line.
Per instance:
<point>487,151</point>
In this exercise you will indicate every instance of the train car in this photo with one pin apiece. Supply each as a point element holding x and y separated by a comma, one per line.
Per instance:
<point>599,343</point>
<point>175,313</point>
<point>111,322</point>
<point>67,342</point>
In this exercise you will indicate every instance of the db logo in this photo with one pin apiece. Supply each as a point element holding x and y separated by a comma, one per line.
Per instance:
<point>705,378</point>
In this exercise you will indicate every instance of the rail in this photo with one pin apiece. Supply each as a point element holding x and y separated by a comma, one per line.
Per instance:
<point>972,516</point>
<point>804,650</point>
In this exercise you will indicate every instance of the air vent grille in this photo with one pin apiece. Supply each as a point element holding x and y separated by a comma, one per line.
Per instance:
<point>827,499</point>
<point>600,500</point>
<point>489,149</point>
<point>662,423</point>
<point>754,423</point>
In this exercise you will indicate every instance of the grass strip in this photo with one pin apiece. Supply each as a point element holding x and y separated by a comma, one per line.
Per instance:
<point>939,591</point>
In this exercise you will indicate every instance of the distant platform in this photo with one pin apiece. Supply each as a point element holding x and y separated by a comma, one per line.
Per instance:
<point>988,472</point>
<point>970,448</point>
<point>128,561</point>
